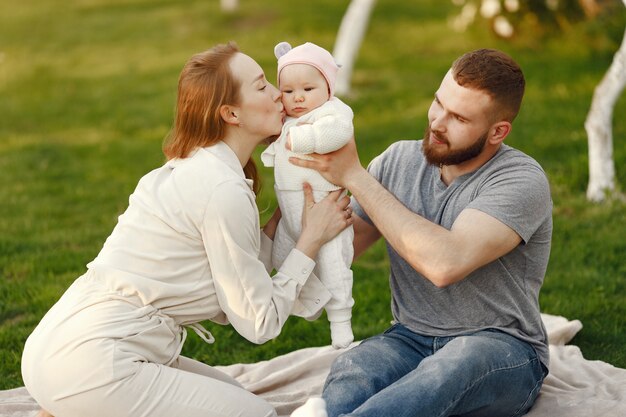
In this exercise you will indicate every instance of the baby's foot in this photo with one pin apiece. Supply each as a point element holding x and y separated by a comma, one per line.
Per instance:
<point>314,407</point>
<point>341,334</point>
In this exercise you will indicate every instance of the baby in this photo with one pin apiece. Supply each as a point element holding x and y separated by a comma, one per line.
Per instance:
<point>317,122</point>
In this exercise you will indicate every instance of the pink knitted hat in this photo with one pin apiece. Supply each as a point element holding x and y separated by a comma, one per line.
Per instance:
<point>310,54</point>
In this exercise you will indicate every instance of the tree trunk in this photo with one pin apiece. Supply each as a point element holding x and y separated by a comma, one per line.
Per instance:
<point>229,5</point>
<point>599,127</point>
<point>349,38</point>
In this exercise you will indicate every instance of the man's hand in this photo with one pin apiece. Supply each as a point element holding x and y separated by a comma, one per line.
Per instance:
<point>339,167</point>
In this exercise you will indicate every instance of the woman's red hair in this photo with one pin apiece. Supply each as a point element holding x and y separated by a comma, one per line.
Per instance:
<point>206,83</point>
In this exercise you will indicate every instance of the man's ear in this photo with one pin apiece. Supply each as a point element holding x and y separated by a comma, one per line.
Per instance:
<point>230,114</point>
<point>499,131</point>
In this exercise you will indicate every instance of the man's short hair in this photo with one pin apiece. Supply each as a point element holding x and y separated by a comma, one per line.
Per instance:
<point>495,73</point>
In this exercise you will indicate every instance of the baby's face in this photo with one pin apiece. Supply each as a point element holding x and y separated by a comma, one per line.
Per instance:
<point>303,89</point>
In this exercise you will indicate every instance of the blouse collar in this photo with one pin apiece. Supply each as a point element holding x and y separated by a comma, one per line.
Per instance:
<point>224,153</point>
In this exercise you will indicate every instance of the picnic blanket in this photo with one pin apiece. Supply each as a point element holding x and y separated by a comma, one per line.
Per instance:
<point>575,387</point>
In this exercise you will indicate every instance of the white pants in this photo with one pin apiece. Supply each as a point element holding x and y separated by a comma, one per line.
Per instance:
<point>333,260</point>
<point>99,354</point>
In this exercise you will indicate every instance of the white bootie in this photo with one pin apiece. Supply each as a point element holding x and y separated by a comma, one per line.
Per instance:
<point>341,334</point>
<point>314,407</point>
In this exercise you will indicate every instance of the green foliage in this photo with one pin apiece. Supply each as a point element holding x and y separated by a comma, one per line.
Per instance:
<point>551,13</point>
<point>541,18</point>
<point>88,90</point>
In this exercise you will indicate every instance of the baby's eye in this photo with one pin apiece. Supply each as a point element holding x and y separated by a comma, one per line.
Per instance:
<point>309,89</point>
<point>287,91</point>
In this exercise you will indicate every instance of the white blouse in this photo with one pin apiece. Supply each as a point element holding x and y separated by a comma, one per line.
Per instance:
<point>190,245</point>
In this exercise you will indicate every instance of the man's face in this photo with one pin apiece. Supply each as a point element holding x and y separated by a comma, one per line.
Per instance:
<point>458,124</point>
<point>439,155</point>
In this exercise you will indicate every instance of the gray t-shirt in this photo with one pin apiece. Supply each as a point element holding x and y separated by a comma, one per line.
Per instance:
<point>502,295</point>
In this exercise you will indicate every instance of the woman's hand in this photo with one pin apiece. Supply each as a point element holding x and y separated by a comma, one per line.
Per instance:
<point>322,221</point>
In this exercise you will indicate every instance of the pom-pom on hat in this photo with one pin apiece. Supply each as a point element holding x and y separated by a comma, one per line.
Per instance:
<point>309,54</point>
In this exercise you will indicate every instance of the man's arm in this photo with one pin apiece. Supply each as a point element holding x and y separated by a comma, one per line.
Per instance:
<point>443,256</point>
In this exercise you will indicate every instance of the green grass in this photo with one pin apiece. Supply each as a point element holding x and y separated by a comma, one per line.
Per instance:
<point>87,92</point>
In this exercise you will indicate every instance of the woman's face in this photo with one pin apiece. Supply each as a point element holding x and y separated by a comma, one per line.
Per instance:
<point>260,111</point>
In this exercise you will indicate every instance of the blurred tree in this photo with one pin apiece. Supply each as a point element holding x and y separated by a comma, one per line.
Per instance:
<point>229,6</point>
<point>349,38</point>
<point>505,15</point>
<point>599,127</point>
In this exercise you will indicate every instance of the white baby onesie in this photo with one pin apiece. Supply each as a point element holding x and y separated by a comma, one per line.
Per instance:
<point>323,130</point>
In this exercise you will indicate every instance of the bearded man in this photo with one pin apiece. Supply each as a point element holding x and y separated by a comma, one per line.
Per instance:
<point>468,225</point>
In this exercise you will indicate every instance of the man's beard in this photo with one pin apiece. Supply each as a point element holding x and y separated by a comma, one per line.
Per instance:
<point>450,157</point>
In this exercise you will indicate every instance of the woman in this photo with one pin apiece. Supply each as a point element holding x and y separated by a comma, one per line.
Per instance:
<point>187,249</point>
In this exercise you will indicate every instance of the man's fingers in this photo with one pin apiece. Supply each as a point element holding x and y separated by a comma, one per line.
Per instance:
<point>306,163</point>
<point>300,162</point>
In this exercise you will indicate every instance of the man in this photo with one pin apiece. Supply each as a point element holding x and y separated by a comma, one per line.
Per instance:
<point>468,224</point>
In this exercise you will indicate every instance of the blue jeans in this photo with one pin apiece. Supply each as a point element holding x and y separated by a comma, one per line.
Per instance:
<point>401,373</point>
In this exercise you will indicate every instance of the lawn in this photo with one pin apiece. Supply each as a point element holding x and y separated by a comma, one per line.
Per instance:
<point>87,91</point>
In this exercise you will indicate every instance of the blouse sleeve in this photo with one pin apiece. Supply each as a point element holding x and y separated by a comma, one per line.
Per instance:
<point>313,295</point>
<point>265,254</point>
<point>256,304</point>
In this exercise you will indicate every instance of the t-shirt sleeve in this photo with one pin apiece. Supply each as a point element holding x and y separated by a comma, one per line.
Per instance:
<point>518,196</point>
<point>376,168</point>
